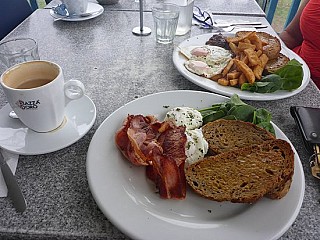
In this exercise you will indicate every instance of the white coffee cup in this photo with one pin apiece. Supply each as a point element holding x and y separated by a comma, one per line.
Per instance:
<point>38,94</point>
<point>76,7</point>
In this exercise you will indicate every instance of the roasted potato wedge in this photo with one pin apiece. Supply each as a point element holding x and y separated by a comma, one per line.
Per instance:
<point>245,70</point>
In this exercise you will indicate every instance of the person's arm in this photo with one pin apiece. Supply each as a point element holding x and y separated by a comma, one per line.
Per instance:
<point>291,36</point>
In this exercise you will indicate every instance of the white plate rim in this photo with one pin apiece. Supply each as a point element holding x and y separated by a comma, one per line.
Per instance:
<point>179,59</point>
<point>137,229</point>
<point>60,142</point>
<point>91,5</point>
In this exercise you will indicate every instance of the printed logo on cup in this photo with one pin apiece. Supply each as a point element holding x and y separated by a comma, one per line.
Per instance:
<point>26,105</point>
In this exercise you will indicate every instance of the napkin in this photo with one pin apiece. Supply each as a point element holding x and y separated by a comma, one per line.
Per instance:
<point>12,161</point>
<point>60,10</point>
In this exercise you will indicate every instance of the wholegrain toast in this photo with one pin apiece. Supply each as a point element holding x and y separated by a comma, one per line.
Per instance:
<point>225,135</point>
<point>244,175</point>
<point>273,47</point>
<point>275,64</point>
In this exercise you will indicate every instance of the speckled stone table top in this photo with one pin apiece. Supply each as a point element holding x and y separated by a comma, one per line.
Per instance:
<point>116,67</point>
<point>234,7</point>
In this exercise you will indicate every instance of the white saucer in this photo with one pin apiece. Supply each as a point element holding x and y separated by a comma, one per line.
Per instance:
<point>15,137</point>
<point>94,8</point>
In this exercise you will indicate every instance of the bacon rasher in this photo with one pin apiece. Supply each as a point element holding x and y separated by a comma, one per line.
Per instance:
<point>137,137</point>
<point>167,169</point>
<point>159,146</point>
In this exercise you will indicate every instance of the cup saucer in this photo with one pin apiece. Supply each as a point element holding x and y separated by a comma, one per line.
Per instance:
<point>15,137</point>
<point>94,10</point>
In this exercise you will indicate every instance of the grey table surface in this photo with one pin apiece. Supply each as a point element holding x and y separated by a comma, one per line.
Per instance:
<point>234,7</point>
<point>116,67</point>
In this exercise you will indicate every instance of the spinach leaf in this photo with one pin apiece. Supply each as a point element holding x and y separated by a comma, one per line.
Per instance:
<point>214,116</point>
<point>261,115</point>
<point>289,77</point>
<point>236,109</point>
<point>242,112</point>
<point>292,75</point>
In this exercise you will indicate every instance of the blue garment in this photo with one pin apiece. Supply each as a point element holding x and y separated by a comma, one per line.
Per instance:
<point>13,12</point>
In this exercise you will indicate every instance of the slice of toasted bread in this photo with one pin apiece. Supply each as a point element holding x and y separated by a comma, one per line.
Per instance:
<point>244,175</point>
<point>225,135</point>
<point>273,47</point>
<point>275,64</point>
<point>280,191</point>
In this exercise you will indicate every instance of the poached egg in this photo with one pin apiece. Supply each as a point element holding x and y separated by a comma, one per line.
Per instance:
<point>196,146</point>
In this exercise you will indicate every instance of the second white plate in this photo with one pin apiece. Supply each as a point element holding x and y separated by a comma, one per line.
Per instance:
<point>179,60</point>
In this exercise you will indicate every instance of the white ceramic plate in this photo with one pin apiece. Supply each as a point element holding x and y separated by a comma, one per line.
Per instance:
<point>179,60</point>
<point>15,137</point>
<point>93,8</point>
<point>128,200</point>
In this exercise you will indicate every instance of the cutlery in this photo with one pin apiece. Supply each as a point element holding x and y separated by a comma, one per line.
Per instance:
<point>250,26</point>
<point>14,190</point>
<point>228,27</point>
<point>221,25</point>
<point>231,28</point>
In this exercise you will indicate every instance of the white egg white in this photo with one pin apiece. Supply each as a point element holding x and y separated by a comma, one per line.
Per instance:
<point>196,147</point>
<point>216,59</point>
<point>185,116</point>
<point>200,68</point>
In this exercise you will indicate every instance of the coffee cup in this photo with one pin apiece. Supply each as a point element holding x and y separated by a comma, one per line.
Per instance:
<point>76,7</point>
<point>38,94</point>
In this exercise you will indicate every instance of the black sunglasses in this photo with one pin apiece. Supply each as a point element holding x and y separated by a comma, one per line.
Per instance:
<point>202,17</point>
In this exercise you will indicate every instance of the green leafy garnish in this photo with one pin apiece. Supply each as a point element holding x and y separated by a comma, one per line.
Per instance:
<point>289,77</point>
<point>235,109</point>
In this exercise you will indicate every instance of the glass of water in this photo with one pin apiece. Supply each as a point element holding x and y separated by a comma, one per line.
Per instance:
<point>165,21</point>
<point>18,50</point>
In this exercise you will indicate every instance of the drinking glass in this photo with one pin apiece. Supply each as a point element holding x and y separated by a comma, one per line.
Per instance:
<point>18,50</point>
<point>185,15</point>
<point>165,20</point>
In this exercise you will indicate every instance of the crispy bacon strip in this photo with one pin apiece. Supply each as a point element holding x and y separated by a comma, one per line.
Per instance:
<point>160,147</point>
<point>167,169</point>
<point>136,138</point>
<point>173,142</point>
<point>168,177</point>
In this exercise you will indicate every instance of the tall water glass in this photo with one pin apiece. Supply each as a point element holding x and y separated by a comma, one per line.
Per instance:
<point>165,20</point>
<point>18,50</point>
<point>185,16</point>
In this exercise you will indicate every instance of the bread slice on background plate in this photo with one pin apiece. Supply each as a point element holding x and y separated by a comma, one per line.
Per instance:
<point>275,64</point>
<point>273,47</point>
<point>243,175</point>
